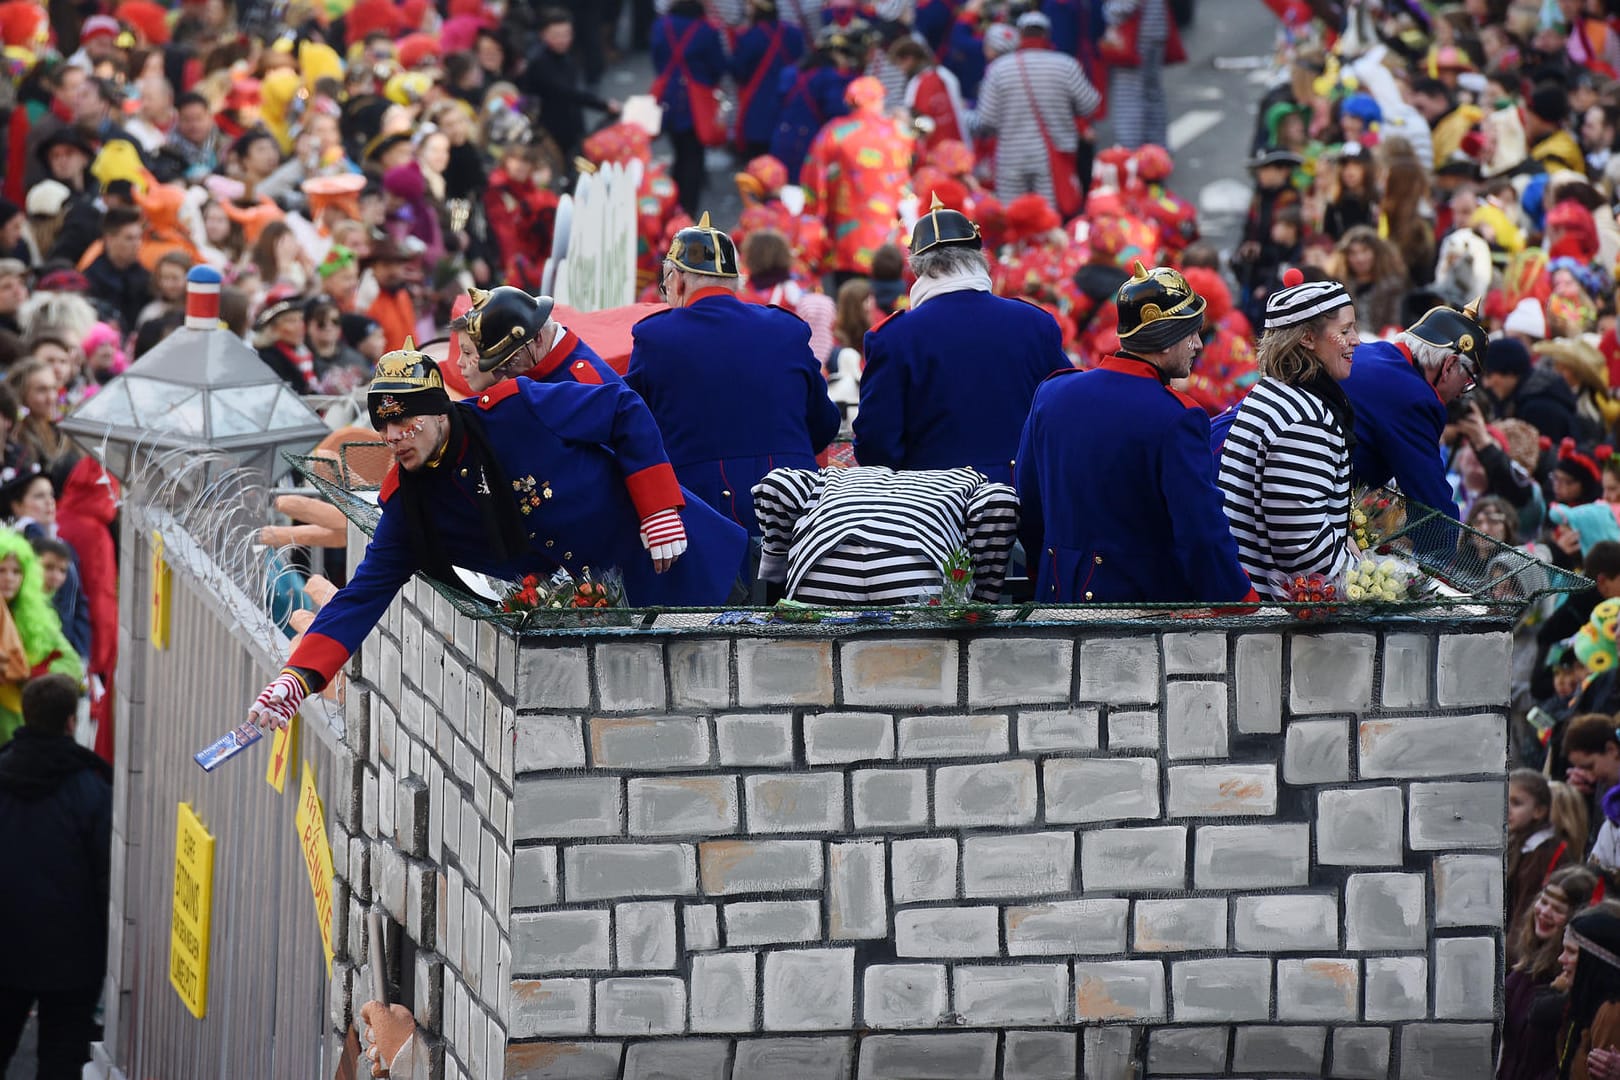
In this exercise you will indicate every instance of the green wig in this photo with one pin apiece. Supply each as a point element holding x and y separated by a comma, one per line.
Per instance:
<point>36,620</point>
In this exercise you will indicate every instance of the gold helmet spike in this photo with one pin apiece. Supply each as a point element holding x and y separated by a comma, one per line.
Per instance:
<point>703,223</point>
<point>1472,310</point>
<point>479,296</point>
<point>409,346</point>
<point>1141,272</point>
<point>937,204</point>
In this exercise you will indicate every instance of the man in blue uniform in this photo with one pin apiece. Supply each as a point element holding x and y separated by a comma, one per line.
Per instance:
<point>762,51</point>
<point>949,382</point>
<point>812,93</point>
<point>527,479</point>
<point>507,333</point>
<point>1115,479</point>
<point>734,387</point>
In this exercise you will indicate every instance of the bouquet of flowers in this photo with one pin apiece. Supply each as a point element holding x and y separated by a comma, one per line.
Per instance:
<point>1380,581</point>
<point>1375,514</point>
<point>563,593</point>
<point>1312,589</point>
<point>955,599</point>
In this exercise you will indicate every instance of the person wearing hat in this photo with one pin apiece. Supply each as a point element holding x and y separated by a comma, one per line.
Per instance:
<point>733,386</point>
<point>812,93</point>
<point>1114,474</point>
<point>506,332</point>
<point>393,307</point>
<point>279,334</point>
<point>758,58</point>
<point>1515,387</point>
<point>98,43</point>
<point>528,478</point>
<point>1546,117</point>
<point>1285,466</point>
<point>1400,389</point>
<point>854,176</point>
<point>1582,369</point>
<point>949,380</point>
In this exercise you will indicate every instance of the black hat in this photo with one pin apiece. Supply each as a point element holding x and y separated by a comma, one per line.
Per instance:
<point>703,249</point>
<point>502,321</point>
<point>942,225</point>
<point>1508,356</point>
<point>356,328</point>
<point>1303,301</point>
<point>377,147</point>
<point>1456,330</point>
<point>62,136</point>
<point>407,383</point>
<point>1276,155</point>
<point>1550,102</point>
<point>1157,308</point>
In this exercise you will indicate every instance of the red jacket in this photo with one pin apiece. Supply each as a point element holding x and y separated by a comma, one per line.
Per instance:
<point>521,217</point>
<point>84,518</point>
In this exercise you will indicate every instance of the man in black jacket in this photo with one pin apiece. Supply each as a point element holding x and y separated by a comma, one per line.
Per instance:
<point>55,843</point>
<point>117,278</point>
<point>552,80</point>
<point>1538,396</point>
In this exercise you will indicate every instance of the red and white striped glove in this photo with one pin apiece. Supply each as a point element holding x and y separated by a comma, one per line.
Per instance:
<point>276,703</point>
<point>664,537</point>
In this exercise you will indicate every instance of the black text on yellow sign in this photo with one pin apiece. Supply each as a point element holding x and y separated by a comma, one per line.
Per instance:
<point>193,911</point>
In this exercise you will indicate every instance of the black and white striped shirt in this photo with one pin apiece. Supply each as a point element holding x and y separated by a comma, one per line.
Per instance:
<point>1007,104</point>
<point>872,535</point>
<point>1285,481</point>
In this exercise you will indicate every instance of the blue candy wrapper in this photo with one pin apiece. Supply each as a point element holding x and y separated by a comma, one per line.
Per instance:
<point>228,746</point>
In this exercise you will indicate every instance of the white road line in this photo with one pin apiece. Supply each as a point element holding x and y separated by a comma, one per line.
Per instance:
<point>1191,124</point>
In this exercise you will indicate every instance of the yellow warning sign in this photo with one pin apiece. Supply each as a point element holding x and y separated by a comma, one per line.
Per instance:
<point>162,587</point>
<point>193,911</point>
<point>283,748</point>
<point>312,839</point>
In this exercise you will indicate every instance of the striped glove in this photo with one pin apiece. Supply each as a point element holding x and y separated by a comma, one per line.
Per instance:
<point>276,703</point>
<point>664,537</point>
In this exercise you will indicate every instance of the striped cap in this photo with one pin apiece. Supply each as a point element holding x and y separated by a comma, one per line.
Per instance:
<point>1302,302</point>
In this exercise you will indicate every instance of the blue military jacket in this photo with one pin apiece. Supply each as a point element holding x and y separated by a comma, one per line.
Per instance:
<point>586,466</point>
<point>809,99</point>
<point>1399,421</point>
<point>703,59</point>
<point>1117,493</point>
<point>763,109</point>
<point>736,392</point>
<point>571,360</point>
<point>950,382</point>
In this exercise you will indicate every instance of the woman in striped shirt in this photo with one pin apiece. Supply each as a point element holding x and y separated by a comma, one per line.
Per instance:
<point>1285,469</point>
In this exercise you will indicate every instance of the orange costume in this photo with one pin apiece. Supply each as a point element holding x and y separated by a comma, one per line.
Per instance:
<point>854,177</point>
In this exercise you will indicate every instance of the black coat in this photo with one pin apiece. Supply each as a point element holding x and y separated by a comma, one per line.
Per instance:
<point>125,291</point>
<point>553,81</point>
<point>55,843</point>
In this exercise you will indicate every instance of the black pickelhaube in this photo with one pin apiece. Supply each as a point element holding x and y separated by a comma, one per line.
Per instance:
<point>1456,330</point>
<point>703,249</point>
<point>407,383</point>
<point>942,225</point>
<point>1157,308</point>
<point>502,321</point>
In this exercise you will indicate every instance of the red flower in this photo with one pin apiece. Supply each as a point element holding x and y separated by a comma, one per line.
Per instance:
<point>959,574</point>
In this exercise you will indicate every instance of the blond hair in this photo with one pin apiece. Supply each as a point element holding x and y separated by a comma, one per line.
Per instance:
<point>1283,355</point>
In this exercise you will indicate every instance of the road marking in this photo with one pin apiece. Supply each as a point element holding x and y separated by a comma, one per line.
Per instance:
<point>1190,125</point>
<point>1226,196</point>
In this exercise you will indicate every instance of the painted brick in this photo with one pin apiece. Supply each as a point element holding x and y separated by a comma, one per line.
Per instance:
<point>1456,815</point>
<point>809,989</point>
<point>775,673</point>
<point>630,677</point>
<point>904,995</point>
<point>1251,856</point>
<point>742,866</point>
<point>700,674</point>
<point>1296,1050</point>
<point>1148,858</point>
<point>923,869</point>
<point>1317,989</point>
<point>1446,1051</point>
<point>755,739</point>
<point>572,807</point>
<point>1360,1053</point>
<point>954,1056</point>
<point>554,677</point>
<point>1100,789</point>
<point>1119,671</point>
<point>1067,927</point>
<point>651,1005</point>
<point>1406,676</point>
<point>1224,989</point>
<point>1013,671</point>
<point>1360,827</point>
<point>594,1060</point>
<point>1033,864</point>
<point>1431,746</point>
<point>1057,729</point>
<point>644,936</point>
<point>890,798</point>
<point>1110,1053</point>
<point>1128,730</point>
<point>1467,890</point>
<point>772,922</point>
<point>679,1059</point>
<point>700,927</point>
<point>856,905</point>
<point>992,793</point>
<point>649,742</point>
<point>1187,924</point>
<point>1012,993</point>
<point>1286,922</point>
<point>1118,990</point>
<point>606,871</point>
<point>1384,911</point>
<point>1473,669</point>
<point>723,991</point>
<point>1330,673</point>
<point>669,806</point>
<point>795,802</point>
<point>1040,1055</point>
<point>1223,790</point>
<point>839,738</point>
<point>1316,752</point>
<point>1179,1051</point>
<point>1195,654</point>
<point>534,876</point>
<point>1464,978</point>
<point>946,931</point>
<point>826,1058</point>
<point>1258,701</point>
<point>1397,988</point>
<point>550,1007</point>
<point>1195,720</point>
<point>919,672</point>
<point>953,736</point>
<point>560,941</point>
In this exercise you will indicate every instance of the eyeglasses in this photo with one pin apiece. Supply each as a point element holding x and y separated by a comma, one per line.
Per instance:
<point>1470,370</point>
<point>663,283</point>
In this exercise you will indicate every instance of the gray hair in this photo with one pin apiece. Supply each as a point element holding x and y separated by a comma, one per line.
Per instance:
<point>694,282</point>
<point>1426,353</point>
<point>947,260</point>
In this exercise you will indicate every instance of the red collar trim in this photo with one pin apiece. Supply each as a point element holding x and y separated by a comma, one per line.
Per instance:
<point>1129,365</point>
<point>710,293</point>
<point>497,394</point>
<point>1410,359</point>
<point>553,359</point>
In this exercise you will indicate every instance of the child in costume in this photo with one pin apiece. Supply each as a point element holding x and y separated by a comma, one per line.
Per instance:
<point>31,639</point>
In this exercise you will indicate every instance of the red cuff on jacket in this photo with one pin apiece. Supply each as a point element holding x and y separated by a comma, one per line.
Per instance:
<point>320,654</point>
<point>653,489</point>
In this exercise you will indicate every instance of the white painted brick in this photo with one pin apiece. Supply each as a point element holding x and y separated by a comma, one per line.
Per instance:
<point>672,806</point>
<point>1012,671</point>
<point>1251,856</point>
<point>1286,922</point>
<point>946,931</point>
<point>1195,720</point>
<point>1397,988</point>
<point>772,922</point>
<point>905,995</point>
<point>605,871</point>
<point>1360,827</point>
<point>534,876</point>
<point>1118,990</point>
<point>723,991</point>
<point>856,906</point>
<point>1330,673</point>
<point>551,1007</point>
<point>553,677</point>
<point>1031,864</point>
<point>1384,911</point>
<point>992,793</point>
<point>1133,730</point>
<point>1223,790</point>
<point>1473,669</point>
<point>1195,654</point>
<point>649,742</point>
<point>630,677</point>
<point>795,802</point>
<point>889,798</point>
<point>953,736</point>
<point>1100,789</point>
<point>1464,978</point>
<point>549,742</point>
<point>1407,671</point>
<point>923,869</point>
<point>755,739</point>
<point>899,672</point>
<point>651,1005</point>
<point>1057,729</point>
<point>701,927</point>
<point>1320,988</point>
<point>809,989</point>
<point>1456,815</point>
<point>1222,989</point>
<point>776,673</point>
<point>837,738</point>
<point>1012,994</point>
<point>644,935</point>
<point>1185,924</point>
<point>700,674</point>
<point>749,866</point>
<point>1067,927</point>
<point>1119,671</point>
<point>1316,752</point>
<point>1153,857</point>
<point>564,808</point>
<point>556,940</point>
<point>1259,684</point>
<point>1426,747</point>
<point>1467,890</point>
